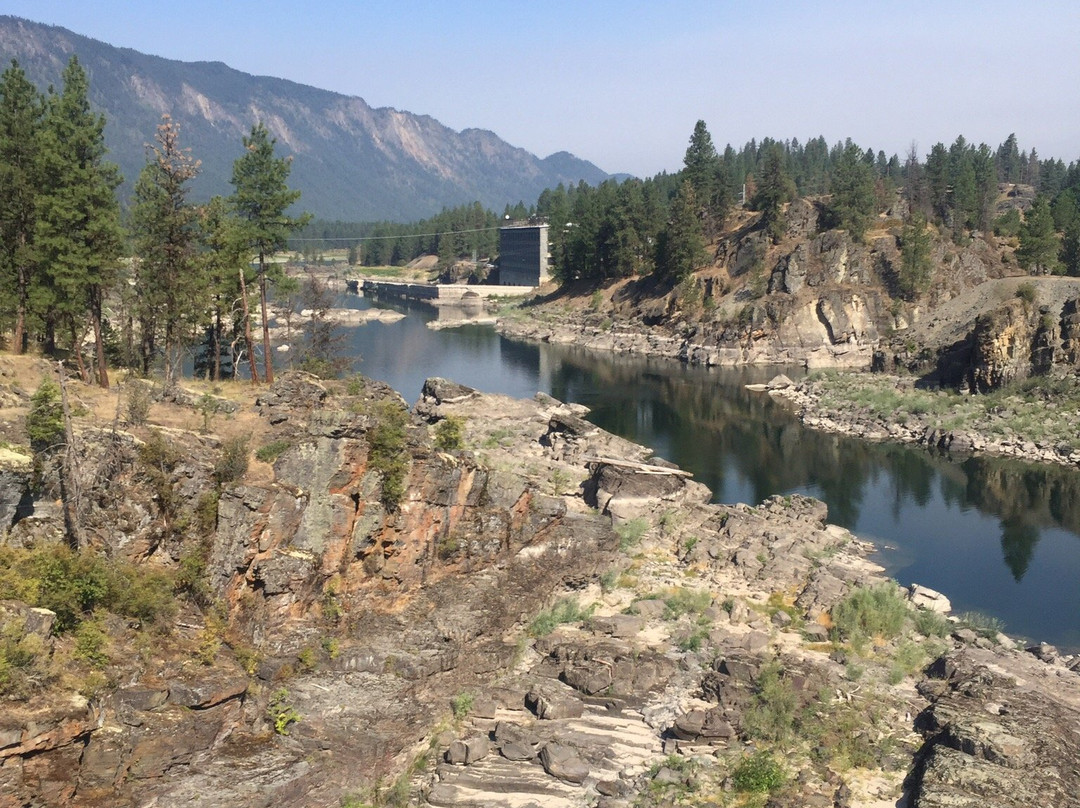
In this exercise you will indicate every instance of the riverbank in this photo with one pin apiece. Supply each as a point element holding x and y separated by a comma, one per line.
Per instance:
<point>1033,421</point>
<point>682,340</point>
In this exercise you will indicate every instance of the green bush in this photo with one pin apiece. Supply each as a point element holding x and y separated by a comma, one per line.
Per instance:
<point>758,774</point>
<point>45,420</point>
<point>22,658</point>
<point>982,624</point>
<point>773,708</point>
<point>90,644</point>
<point>565,611</point>
<point>1008,224</point>
<point>139,399</point>
<point>232,463</point>
<point>449,434</point>
<point>630,533</point>
<point>271,451</point>
<point>686,601</point>
<point>877,611</point>
<point>280,712</point>
<point>462,705</point>
<point>930,624</point>
<point>387,452</point>
<point>76,584</point>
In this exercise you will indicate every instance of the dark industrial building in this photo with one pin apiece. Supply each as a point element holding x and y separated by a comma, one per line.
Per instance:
<point>523,255</point>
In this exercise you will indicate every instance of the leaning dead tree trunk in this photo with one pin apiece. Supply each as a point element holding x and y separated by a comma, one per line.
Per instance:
<point>247,329</point>
<point>70,481</point>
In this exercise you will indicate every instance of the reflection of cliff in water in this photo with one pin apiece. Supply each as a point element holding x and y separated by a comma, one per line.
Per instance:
<point>736,441</point>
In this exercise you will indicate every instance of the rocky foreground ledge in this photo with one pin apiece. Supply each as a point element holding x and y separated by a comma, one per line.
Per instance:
<point>548,616</point>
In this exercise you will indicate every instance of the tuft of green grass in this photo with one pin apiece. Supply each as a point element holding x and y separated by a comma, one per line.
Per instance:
<point>269,452</point>
<point>566,610</point>
<point>630,533</point>
<point>875,611</point>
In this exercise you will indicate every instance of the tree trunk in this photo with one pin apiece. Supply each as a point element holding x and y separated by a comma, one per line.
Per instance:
<point>247,329</point>
<point>99,341</point>
<point>146,347</point>
<point>215,343</point>
<point>70,483</point>
<point>20,312</point>
<point>76,350</point>
<point>268,359</point>
<point>170,349</point>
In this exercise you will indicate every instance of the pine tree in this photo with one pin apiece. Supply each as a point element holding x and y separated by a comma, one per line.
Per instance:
<point>78,227</point>
<point>1007,158</point>
<point>21,119</point>
<point>170,291</point>
<point>260,201</point>
<point>937,182</point>
<point>853,198</point>
<point>1039,245</point>
<point>773,189</point>
<point>225,263</point>
<point>914,272</point>
<point>681,246</point>
<point>1070,250</point>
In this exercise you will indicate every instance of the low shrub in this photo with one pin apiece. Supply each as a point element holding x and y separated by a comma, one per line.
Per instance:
<point>462,705</point>
<point>387,452</point>
<point>875,611</point>
<point>565,611</point>
<point>280,712</point>
<point>269,452</point>
<point>982,624</point>
<point>686,601</point>
<point>773,709</point>
<point>760,773</point>
<point>630,533</point>
<point>232,463</point>
<point>930,624</point>
<point>449,434</point>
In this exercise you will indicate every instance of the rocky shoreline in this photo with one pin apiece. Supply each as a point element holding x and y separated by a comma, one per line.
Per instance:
<point>685,342</point>
<point>916,429</point>
<point>805,398</point>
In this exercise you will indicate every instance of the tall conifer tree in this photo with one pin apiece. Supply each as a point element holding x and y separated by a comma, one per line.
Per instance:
<point>170,288</point>
<point>21,120</point>
<point>78,226</point>
<point>260,201</point>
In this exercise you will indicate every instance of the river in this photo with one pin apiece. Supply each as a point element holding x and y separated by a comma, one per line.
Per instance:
<point>997,536</point>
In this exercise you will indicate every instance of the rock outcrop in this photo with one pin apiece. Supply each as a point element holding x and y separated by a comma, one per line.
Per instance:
<point>555,618</point>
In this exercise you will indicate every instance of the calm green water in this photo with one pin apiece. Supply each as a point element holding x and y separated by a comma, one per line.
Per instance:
<point>996,536</point>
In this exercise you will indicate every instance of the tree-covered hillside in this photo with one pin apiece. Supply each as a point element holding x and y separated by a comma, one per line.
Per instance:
<point>660,226</point>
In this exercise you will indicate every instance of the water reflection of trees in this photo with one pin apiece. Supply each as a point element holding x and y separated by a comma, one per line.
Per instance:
<point>710,424</point>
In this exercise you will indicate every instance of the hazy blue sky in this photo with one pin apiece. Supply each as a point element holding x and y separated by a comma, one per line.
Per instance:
<point>622,83</point>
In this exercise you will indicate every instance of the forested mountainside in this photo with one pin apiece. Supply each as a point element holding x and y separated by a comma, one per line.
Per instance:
<point>351,161</point>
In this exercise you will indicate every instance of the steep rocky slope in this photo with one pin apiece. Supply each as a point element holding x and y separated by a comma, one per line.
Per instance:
<point>540,614</point>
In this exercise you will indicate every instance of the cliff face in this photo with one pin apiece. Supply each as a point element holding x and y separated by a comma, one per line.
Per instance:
<point>368,614</point>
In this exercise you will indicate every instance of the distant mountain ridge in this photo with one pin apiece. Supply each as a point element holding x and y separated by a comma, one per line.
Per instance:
<point>352,162</point>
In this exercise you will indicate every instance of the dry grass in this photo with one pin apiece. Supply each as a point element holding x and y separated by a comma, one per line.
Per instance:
<point>95,407</point>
